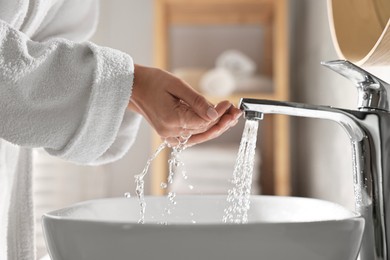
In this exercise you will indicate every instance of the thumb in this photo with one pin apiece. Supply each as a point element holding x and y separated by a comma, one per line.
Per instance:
<point>196,102</point>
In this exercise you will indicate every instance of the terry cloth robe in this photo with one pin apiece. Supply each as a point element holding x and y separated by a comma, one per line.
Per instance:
<point>57,92</point>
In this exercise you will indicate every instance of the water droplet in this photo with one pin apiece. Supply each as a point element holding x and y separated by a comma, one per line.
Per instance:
<point>127,195</point>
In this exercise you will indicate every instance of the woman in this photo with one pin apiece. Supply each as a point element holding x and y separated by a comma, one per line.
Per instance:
<point>79,101</point>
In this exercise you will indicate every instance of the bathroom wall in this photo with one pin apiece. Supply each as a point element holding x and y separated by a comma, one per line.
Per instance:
<point>321,150</point>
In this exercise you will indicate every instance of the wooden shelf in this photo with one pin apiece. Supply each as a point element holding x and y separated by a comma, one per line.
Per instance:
<point>269,14</point>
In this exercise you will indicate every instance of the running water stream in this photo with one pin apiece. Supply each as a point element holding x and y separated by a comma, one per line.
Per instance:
<point>239,195</point>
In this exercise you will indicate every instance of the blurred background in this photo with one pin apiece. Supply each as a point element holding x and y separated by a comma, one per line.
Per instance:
<point>319,154</point>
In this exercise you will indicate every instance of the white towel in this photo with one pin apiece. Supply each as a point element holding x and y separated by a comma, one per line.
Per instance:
<point>237,63</point>
<point>68,97</point>
<point>217,82</point>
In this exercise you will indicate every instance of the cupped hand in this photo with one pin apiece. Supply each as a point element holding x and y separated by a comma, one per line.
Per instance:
<point>174,109</point>
<point>228,119</point>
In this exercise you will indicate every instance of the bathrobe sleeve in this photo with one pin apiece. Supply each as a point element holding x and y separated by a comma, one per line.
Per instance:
<point>67,97</point>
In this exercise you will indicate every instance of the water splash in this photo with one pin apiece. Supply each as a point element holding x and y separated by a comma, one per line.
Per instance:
<point>140,183</point>
<point>239,195</point>
<point>174,164</point>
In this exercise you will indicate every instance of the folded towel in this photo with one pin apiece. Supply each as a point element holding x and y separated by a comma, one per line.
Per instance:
<point>217,82</point>
<point>237,63</point>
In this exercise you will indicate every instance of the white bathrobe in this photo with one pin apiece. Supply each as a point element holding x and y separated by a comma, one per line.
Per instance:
<point>59,93</point>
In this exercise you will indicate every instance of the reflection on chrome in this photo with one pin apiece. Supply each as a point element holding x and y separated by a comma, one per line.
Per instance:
<point>368,128</point>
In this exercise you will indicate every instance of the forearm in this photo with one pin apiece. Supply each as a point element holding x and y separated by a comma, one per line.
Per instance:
<point>66,97</point>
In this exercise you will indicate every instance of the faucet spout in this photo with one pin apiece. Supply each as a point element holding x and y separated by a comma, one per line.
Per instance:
<point>369,132</point>
<point>251,106</point>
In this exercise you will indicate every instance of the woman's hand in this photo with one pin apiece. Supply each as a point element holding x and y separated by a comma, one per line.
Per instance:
<point>174,109</point>
<point>228,119</point>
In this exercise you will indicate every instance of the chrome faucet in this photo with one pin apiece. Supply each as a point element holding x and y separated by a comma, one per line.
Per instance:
<point>368,128</point>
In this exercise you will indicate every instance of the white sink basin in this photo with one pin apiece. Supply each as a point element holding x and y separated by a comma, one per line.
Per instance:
<point>279,228</point>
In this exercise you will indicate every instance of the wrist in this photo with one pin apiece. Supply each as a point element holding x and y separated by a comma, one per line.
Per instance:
<point>137,83</point>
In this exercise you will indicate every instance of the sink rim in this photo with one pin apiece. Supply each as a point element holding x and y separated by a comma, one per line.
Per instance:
<point>58,214</point>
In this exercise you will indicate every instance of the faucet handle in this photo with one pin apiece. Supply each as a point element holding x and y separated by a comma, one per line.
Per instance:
<point>373,93</point>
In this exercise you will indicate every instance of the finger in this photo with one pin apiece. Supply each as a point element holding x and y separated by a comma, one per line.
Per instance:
<point>190,123</point>
<point>195,101</point>
<point>235,112</point>
<point>226,122</point>
<point>222,107</point>
<point>226,110</point>
<point>195,125</point>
